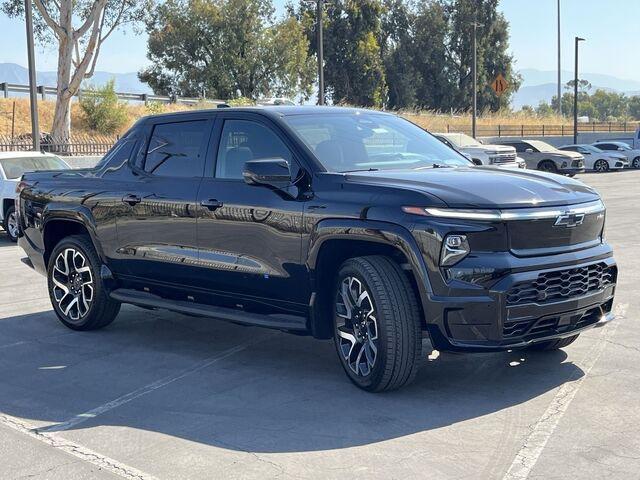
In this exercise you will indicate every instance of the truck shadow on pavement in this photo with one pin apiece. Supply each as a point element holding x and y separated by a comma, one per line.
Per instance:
<point>283,393</point>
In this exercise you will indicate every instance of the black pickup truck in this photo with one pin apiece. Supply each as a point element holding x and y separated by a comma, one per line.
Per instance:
<point>337,223</point>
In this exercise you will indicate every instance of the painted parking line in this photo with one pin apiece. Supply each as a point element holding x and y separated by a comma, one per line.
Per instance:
<point>83,417</point>
<point>543,429</point>
<point>75,449</point>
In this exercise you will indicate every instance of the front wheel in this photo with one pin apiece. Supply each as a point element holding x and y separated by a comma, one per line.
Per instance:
<point>548,166</point>
<point>10,224</point>
<point>76,289</point>
<point>554,344</point>
<point>601,166</point>
<point>376,324</point>
<point>636,162</point>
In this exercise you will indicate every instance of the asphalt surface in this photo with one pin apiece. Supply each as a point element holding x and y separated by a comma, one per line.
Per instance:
<point>161,395</point>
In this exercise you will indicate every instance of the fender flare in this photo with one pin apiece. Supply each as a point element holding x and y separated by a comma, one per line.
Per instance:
<point>80,214</point>
<point>374,231</point>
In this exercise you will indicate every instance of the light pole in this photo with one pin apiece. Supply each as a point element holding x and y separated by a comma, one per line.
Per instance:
<point>559,67</point>
<point>319,12</point>
<point>474,69</point>
<point>33,94</point>
<point>575,94</point>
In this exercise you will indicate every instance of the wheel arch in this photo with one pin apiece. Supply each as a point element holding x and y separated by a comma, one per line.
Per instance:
<point>58,224</point>
<point>335,240</point>
<point>6,204</point>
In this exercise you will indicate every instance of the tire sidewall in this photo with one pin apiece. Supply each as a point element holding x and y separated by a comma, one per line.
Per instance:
<point>370,381</point>
<point>91,257</point>
<point>548,166</point>
<point>10,210</point>
<point>605,165</point>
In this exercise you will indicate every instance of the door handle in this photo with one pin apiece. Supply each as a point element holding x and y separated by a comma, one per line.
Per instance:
<point>211,204</point>
<point>131,199</point>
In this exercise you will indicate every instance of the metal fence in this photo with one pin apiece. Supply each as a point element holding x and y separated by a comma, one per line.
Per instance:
<point>545,130</point>
<point>78,145</point>
<point>44,91</point>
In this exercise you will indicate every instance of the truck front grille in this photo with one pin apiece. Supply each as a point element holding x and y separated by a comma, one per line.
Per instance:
<point>562,284</point>
<point>503,158</point>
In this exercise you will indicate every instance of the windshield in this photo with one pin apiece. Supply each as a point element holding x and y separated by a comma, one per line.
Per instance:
<point>542,146</point>
<point>461,140</point>
<point>14,167</point>
<point>591,148</point>
<point>346,142</point>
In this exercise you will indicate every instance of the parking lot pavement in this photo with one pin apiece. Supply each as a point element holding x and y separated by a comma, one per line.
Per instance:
<point>161,395</point>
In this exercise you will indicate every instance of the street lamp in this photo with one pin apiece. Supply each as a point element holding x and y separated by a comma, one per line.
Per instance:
<point>33,94</point>
<point>575,94</point>
<point>319,12</point>
<point>559,67</point>
<point>474,68</point>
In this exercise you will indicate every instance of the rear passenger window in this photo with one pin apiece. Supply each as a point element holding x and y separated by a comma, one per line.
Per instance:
<point>244,140</point>
<point>175,149</point>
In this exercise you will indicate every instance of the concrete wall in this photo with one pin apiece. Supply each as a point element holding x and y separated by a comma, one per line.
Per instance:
<point>82,162</point>
<point>558,141</point>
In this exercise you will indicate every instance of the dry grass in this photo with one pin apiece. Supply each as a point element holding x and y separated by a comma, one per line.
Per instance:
<point>435,122</point>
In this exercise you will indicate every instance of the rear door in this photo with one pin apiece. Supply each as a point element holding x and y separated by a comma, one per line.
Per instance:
<point>157,227</point>
<point>250,237</point>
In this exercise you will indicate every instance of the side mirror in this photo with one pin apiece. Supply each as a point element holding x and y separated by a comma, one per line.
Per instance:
<point>273,172</point>
<point>620,149</point>
<point>529,150</point>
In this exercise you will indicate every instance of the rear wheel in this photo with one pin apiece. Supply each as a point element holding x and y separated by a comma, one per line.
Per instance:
<point>376,324</point>
<point>10,224</point>
<point>548,166</point>
<point>601,166</point>
<point>554,344</point>
<point>636,162</point>
<point>76,290</point>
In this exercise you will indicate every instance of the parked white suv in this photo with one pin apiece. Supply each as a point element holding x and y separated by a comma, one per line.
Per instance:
<point>480,154</point>
<point>12,166</point>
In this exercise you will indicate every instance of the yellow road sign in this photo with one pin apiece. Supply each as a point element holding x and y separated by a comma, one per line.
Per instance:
<point>500,85</point>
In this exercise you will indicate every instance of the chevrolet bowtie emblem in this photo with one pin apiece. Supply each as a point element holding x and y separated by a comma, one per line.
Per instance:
<point>569,220</point>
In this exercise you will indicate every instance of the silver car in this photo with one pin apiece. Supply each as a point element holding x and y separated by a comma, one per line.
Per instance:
<point>540,155</point>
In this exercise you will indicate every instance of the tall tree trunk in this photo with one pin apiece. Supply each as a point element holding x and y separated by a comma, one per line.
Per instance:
<point>61,129</point>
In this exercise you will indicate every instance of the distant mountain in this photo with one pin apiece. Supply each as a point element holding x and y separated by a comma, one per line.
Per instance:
<point>125,82</point>
<point>539,85</point>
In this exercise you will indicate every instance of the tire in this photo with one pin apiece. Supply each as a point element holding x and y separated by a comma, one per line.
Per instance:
<point>10,224</point>
<point>387,317</point>
<point>635,163</point>
<point>77,292</point>
<point>601,166</point>
<point>553,344</point>
<point>547,166</point>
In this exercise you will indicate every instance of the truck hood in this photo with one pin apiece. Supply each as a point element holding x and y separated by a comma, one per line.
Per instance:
<point>484,187</point>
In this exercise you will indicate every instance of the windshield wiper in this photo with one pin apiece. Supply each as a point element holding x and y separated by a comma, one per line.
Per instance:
<point>361,170</point>
<point>435,165</point>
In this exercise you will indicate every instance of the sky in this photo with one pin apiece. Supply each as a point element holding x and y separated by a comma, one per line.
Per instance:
<point>610,27</point>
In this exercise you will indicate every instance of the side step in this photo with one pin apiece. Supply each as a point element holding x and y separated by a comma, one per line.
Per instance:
<point>144,299</point>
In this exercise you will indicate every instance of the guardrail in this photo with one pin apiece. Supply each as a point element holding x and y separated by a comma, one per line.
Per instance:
<point>43,91</point>
<point>545,130</point>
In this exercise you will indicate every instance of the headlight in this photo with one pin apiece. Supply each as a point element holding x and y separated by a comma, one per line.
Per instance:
<point>454,249</point>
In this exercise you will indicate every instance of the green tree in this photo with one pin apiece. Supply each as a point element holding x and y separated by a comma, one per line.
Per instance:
<point>103,111</point>
<point>634,107</point>
<point>609,104</point>
<point>492,53</point>
<point>77,28</point>
<point>543,109</point>
<point>227,49</point>
<point>354,69</point>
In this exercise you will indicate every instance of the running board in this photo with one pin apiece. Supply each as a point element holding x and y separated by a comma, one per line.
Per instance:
<point>148,300</point>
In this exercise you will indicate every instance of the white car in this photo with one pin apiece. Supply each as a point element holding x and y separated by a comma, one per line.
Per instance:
<point>632,154</point>
<point>480,154</point>
<point>598,160</point>
<point>12,166</point>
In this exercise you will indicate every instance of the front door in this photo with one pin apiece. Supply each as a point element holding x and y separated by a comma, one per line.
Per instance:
<point>250,236</point>
<point>157,228</point>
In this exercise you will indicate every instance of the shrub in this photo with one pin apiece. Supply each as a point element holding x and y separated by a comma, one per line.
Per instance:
<point>102,110</point>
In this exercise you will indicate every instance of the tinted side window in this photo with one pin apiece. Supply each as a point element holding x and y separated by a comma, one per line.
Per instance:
<point>175,149</point>
<point>572,149</point>
<point>121,152</point>
<point>244,140</point>
<point>606,146</point>
<point>519,146</point>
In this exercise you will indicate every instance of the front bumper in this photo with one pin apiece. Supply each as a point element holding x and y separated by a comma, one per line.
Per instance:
<point>491,322</point>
